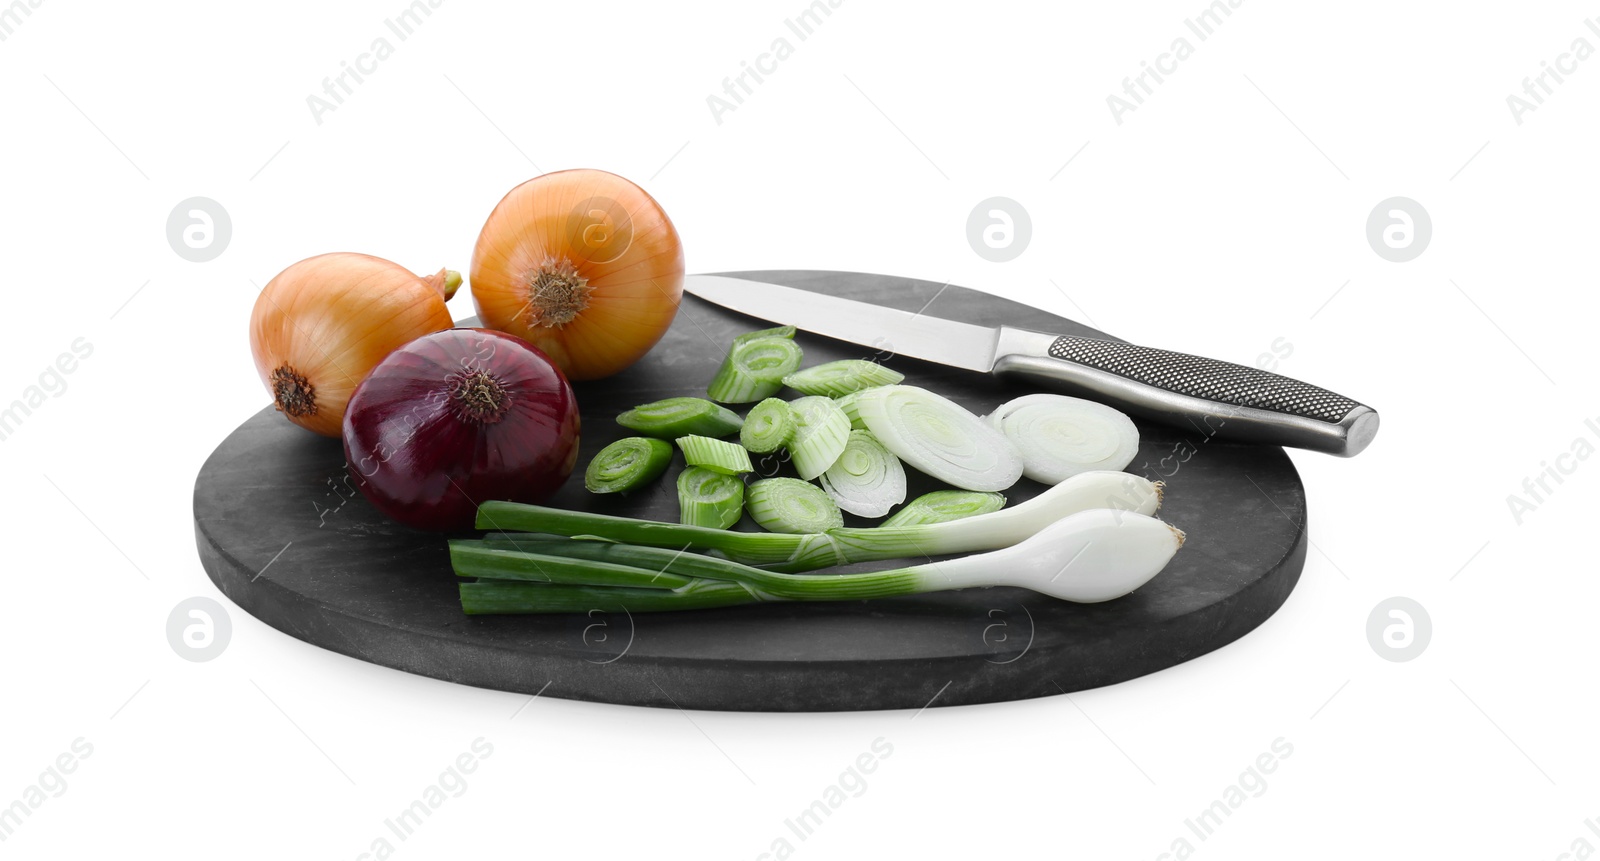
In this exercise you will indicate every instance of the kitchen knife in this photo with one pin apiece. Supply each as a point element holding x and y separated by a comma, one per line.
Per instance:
<point>1215,398</point>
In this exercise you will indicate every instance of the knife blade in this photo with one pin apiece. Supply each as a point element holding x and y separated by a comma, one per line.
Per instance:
<point>920,336</point>
<point>1213,397</point>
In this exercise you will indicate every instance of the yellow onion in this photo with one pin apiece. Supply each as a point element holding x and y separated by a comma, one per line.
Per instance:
<point>585,265</point>
<point>322,324</point>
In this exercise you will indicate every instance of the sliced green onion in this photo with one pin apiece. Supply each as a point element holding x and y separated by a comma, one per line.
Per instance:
<point>1119,491</point>
<point>767,426</point>
<point>847,405</point>
<point>725,457</point>
<point>710,499</point>
<point>943,506</point>
<point>939,437</point>
<point>842,377</point>
<point>755,366</point>
<point>675,417</point>
<point>626,464</point>
<point>791,506</point>
<point>821,431</point>
<point>1092,556</point>
<point>1059,437</point>
<point>866,480</point>
<point>785,333</point>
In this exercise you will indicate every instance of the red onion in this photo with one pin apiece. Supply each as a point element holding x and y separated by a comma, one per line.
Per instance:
<point>456,418</point>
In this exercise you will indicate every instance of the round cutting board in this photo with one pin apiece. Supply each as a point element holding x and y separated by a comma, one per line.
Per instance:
<point>284,533</point>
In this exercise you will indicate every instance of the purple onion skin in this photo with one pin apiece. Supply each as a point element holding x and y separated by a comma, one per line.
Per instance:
<point>456,418</point>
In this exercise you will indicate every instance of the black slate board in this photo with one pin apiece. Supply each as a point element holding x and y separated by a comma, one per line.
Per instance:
<point>344,578</point>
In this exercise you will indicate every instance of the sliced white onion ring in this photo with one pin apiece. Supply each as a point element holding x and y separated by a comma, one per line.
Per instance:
<point>939,437</point>
<point>867,479</point>
<point>1060,437</point>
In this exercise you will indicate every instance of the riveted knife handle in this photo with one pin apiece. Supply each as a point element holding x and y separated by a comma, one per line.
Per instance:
<point>1213,397</point>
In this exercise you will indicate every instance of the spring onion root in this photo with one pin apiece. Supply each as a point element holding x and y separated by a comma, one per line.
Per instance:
<point>1089,557</point>
<point>710,499</point>
<point>1059,437</point>
<point>943,506</point>
<point>791,506</point>
<point>767,427</point>
<point>714,454</point>
<point>866,480</point>
<point>821,432</point>
<point>939,437</point>
<point>841,378</point>
<point>1119,491</point>
<point>626,464</point>
<point>675,417</point>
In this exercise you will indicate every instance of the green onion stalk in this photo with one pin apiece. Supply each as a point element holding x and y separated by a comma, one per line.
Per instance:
<point>1092,556</point>
<point>807,552</point>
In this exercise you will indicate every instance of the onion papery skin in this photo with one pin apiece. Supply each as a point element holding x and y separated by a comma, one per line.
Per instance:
<point>426,456</point>
<point>617,241</point>
<point>322,324</point>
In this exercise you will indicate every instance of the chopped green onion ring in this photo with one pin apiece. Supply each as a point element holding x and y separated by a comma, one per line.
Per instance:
<point>943,506</point>
<point>842,377</point>
<point>675,417</point>
<point>821,432</point>
<point>626,464</point>
<point>710,499</point>
<point>792,506</point>
<point>714,454</point>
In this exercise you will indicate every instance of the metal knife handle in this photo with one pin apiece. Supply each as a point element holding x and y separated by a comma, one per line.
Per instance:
<point>1215,398</point>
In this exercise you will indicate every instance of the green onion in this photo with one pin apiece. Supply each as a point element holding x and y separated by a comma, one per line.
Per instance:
<point>866,480</point>
<point>529,559</point>
<point>671,569</point>
<point>841,378</point>
<point>714,454</point>
<point>847,405</point>
<point>792,506</point>
<point>626,464</point>
<point>943,506</point>
<point>940,437</point>
<point>784,333</point>
<point>707,498</point>
<point>767,427</point>
<point>1092,556</point>
<point>755,366</point>
<point>487,597</point>
<point>675,417</point>
<point>821,432</point>
<point>1119,491</point>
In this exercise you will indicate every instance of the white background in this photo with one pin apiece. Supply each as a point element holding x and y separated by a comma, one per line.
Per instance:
<point>1226,212</point>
